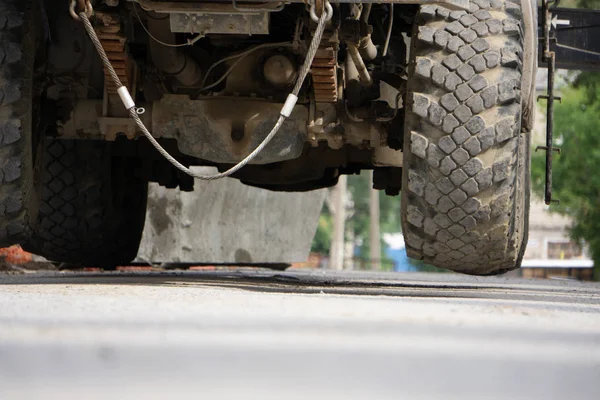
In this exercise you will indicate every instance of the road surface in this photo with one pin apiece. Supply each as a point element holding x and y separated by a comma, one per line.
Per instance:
<point>296,335</point>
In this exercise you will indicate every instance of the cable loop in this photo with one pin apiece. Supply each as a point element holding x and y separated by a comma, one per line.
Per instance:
<point>327,8</point>
<point>89,9</point>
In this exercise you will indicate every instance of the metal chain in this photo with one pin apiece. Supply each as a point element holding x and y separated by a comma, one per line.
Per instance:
<point>312,50</point>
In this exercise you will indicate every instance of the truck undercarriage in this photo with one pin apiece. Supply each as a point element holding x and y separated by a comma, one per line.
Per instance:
<point>189,64</point>
<point>434,96</point>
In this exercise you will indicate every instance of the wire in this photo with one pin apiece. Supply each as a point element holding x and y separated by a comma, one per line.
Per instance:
<point>240,57</point>
<point>285,111</point>
<point>148,15</point>
<point>389,31</point>
<point>564,46</point>
<point>297,32</point>
<point>190,42</point>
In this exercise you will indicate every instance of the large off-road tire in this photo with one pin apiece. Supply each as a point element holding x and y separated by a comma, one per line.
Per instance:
<point>466,161</point>
<point>93,206</point>
<point>18,110</point>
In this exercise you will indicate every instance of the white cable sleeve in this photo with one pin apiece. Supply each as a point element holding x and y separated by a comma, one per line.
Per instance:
<point>126,97</point>
<point>289,105</point>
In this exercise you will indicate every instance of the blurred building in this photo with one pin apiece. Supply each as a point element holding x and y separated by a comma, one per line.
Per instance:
<point>550,251</point>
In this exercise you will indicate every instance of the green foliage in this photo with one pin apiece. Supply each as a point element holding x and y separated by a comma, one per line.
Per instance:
<point>359,187</point>
<point>576,177</point>
<point>358,220</point>
<point>593,4</point>
<point>322,240</point>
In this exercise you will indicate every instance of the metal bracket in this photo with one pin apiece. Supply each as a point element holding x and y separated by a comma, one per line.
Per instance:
<point>545,97</point>
<point>549,57</point>
<point>555,149</point>
<point>574,38</point>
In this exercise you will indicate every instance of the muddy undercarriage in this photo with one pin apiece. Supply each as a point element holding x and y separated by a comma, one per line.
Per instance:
<point>434,96</point>
<point>213,76</point>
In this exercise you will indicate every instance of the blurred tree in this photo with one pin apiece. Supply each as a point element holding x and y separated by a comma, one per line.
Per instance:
<point>322,240</point>
<point>578,3</point>
<point>389,209</point>
<point>576,181</point>
<point>358,217</point>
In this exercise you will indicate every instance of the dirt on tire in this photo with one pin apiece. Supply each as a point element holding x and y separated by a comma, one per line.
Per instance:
<point>466,167</point>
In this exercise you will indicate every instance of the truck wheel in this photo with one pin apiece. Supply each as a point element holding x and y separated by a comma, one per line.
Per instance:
<point>19,143</point>
<point>93,206</point>
<point>465,191</point>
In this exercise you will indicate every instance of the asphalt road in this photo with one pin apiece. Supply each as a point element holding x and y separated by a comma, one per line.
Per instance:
<point>297,335</point>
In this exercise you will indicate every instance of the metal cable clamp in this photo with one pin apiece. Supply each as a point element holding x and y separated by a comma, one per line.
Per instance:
<point>84,6</point>
<point>312,9</point>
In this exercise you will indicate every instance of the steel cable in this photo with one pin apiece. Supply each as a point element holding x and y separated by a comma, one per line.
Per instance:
<point>312,50</point>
